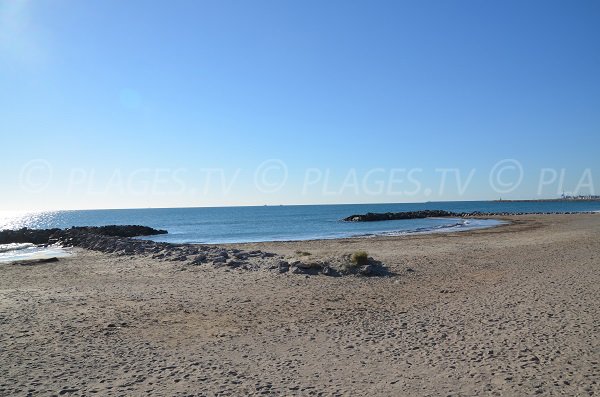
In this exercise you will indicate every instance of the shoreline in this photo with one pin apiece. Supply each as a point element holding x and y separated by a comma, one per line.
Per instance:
<point>507,222</point>
<point>444,229</point>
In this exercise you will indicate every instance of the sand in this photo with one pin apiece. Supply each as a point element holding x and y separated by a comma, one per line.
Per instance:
<point>513,310</point>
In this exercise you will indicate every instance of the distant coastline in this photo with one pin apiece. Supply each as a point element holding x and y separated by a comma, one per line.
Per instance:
<point>562,199</point>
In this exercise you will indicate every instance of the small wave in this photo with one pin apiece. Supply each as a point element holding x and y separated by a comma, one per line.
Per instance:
<point>15,247</point>
<point>26,251</point>
<point>462,225</point>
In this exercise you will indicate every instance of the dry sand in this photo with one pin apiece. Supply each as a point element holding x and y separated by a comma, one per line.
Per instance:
<point>507,311</point>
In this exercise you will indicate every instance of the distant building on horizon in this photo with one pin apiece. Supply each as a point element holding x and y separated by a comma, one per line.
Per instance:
<point>580,197</point>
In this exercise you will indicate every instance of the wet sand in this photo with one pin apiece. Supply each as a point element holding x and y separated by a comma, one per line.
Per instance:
<point>513,310</point>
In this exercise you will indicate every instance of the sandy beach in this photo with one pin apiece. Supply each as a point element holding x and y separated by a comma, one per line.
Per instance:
<point>509,311</point>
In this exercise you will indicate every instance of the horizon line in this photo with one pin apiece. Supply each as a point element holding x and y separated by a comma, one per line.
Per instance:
<point>271,205</point>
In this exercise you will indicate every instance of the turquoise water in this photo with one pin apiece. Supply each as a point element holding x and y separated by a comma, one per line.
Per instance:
<point>276,223</point>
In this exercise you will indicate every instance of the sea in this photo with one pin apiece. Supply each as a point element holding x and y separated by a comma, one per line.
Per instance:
<point>213,225</point>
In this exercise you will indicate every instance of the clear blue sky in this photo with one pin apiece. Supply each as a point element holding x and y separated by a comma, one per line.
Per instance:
<point>113,95</point>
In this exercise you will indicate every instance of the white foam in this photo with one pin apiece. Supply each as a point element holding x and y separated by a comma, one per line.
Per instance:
<point>26,251</point>
<point>15,247</point>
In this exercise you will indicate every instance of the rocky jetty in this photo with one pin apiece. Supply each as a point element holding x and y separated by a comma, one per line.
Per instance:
<point>118,240</point>
<point>123,230</point>
<point>388,216</point>
<point>47,236</point>
<point>25,235</point>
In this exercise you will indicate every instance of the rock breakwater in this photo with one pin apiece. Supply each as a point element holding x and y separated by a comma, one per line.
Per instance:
<point>118,240</point>
<point>389,216</point>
